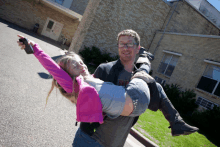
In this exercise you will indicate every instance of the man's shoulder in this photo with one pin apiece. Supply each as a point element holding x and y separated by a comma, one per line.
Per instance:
<point>107,65</point>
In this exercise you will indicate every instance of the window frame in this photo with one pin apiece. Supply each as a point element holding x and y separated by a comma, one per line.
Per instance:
<point>58,2</point>
<point>208,101</point>
<point>172,54</point>
<point>216,85</point>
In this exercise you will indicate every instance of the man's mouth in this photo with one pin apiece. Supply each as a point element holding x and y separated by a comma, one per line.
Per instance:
<point>126,54</point>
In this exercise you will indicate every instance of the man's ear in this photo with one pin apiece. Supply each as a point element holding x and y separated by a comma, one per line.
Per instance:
<point>139,47</point>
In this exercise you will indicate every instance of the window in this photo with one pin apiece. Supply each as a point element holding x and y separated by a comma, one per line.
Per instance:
<point>209,82</point>
<point>59,2</point>
<point>168,64</point>
<point>159,80</point>
<point>205,11</point>
<point>205,103</point>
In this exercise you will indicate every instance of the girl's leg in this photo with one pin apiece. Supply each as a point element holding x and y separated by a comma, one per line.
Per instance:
<point>139,93</point>
<point>128,107</point>
<point>177,124</point>
<point>160,100</point>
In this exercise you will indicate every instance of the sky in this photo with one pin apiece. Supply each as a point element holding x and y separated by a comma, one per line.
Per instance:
<point>215,3</point>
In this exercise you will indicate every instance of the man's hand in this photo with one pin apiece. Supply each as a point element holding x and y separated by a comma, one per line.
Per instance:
<point>144,76</point>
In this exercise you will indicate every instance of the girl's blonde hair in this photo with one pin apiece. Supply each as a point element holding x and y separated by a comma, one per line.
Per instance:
<point>63,63</point>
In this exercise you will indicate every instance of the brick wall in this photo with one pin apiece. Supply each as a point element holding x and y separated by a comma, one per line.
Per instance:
<point>26,13</point>
<point>101,24</point>
<point>190,66</point>
<point>104,21</point>
<point>187,19</point>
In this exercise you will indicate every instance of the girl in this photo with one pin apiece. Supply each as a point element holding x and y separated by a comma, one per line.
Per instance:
<point>91,95</point>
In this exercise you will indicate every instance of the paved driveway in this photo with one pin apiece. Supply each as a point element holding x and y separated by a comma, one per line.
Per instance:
<point>23,89</point>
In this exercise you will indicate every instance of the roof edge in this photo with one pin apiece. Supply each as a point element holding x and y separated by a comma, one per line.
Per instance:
<point>192,35</point>
<point>201,13</point>
<point>62,9</point>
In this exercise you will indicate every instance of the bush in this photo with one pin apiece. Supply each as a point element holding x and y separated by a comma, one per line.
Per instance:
<point>208,120</point>
<point>95,57</point>
<point>183,101</point>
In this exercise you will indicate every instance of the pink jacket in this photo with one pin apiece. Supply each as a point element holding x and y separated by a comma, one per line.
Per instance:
<point>89,106</point>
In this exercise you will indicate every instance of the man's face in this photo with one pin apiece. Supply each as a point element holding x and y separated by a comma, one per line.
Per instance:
<point>127,48</point>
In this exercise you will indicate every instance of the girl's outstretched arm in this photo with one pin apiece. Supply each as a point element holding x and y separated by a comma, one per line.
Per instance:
<point>54,69</point>
<point>51,66</point>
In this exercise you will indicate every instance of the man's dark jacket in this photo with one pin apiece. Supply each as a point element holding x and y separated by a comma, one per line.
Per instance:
<point>109,72</point>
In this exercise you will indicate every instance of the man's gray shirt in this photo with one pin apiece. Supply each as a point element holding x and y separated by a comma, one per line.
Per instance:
<point>113,132</point>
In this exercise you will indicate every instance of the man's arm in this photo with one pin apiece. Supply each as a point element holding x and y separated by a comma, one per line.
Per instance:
<point>144,60</point>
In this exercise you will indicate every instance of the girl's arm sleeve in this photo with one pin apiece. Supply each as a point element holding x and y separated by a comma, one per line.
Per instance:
<point>54,69</point>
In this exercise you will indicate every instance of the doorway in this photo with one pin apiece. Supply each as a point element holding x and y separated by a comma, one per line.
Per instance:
<point>52,29</point>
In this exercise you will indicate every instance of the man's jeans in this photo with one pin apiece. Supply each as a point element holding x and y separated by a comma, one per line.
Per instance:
<point>84,140</point>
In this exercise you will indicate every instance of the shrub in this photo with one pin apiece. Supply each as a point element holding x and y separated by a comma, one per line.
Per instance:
<point>172,91</point>
<point>208,120</point>
<point>183,101</point>
<point>95,57</point>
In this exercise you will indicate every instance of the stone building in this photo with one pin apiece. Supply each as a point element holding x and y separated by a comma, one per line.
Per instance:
<point>55,21</point>
<point>189,56</point>
<point>208,10</point>
<point>191,61</point>
<point>77,6</point>
<point>184,41</point>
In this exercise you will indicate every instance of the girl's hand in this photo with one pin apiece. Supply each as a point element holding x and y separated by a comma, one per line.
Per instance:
<point>32,43</point>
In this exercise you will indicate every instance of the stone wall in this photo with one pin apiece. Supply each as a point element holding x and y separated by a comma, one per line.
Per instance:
<point>109,17</point>
<point>144,16</point>
<point>187,19</point>
<point>190,66</point>
<point>26,13</point>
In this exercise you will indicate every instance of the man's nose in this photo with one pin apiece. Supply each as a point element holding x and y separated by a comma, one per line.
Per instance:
<point>125,46</point>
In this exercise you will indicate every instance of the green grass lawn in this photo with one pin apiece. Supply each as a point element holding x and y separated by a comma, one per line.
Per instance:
<point>154,126</point>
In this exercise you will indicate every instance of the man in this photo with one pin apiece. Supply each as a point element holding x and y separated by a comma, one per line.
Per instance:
<point>113,132</point>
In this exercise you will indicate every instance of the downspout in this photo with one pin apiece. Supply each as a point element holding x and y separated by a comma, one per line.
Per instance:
<point>160,29</point>
<point>165,29</point>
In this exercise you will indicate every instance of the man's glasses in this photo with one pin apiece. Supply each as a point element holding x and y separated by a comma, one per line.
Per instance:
<point>127,44</point>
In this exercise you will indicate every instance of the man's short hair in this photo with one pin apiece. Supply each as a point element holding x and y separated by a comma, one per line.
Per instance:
<point>132,33</point>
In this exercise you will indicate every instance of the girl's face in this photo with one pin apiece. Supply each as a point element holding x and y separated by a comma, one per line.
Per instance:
<point>77,67</point>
